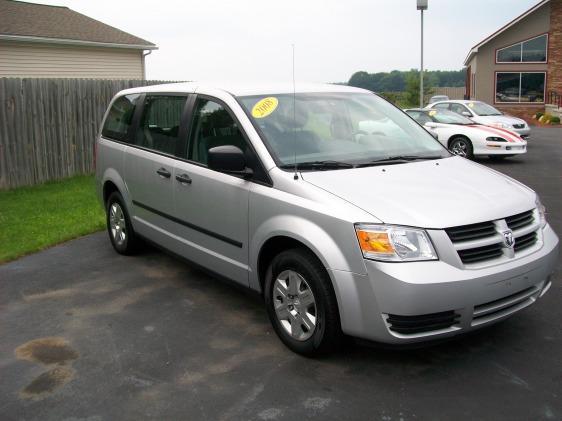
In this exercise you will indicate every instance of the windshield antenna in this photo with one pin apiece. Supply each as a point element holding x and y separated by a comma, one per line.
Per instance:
<point>296,176</point>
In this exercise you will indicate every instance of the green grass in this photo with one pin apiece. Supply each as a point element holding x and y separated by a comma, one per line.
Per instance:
<point>33,218</point>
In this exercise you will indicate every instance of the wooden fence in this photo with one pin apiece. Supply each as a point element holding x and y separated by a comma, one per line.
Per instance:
<point>48,126</point>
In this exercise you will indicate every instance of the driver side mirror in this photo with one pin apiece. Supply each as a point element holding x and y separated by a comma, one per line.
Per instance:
<point>228,159</point>
<point>466,114</point>
<point>431,124</point>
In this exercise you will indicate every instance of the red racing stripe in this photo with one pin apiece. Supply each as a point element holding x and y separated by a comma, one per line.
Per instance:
<point>506,134</point>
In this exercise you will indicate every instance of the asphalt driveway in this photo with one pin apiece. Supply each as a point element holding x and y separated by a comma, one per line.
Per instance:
<point>86,334</point>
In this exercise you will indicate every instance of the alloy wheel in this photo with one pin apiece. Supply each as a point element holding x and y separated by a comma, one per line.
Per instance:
<point>460,148</point>
<point>117,223</point>
<point>295,306</point>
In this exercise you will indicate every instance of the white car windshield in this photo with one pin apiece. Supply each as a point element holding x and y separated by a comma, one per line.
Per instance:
<point>448,117</point>
<point>352,129</point>
<point>482,109</point>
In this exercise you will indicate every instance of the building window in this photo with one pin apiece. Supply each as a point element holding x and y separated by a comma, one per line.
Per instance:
<point>530,51</point>
<point>519,87</point>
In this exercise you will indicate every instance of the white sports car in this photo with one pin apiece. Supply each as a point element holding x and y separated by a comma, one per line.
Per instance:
<point>465,138</point>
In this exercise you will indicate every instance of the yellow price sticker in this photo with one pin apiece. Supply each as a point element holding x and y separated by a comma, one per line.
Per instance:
<point>264,107</point>
<point>471,104</point>
<point>432,113</point>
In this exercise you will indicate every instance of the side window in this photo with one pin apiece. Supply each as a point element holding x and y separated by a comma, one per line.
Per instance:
<point>459,109</point>
<point>160,122</point>
<point>441,106</point>
<point>415,115</point>
<point>212,126</point>
<point>421,118</point>
<point>119,118</point>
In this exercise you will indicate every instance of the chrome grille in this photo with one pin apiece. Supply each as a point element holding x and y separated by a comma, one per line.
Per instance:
<point>525,241</point>
<point>520,220</point>
<point>480,254</point>
<point>484,241</point>
<point>518,126</point>
<point>471,232</point>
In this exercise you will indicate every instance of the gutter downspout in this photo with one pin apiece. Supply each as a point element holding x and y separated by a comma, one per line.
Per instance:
<point>144,63</point>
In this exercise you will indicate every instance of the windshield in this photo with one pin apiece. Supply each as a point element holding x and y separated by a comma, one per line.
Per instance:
<point>342,128</point>
<point>481,108</point>
<point>448,117</point>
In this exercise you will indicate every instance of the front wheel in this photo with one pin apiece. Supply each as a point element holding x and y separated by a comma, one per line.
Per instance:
<point>461,146</point>
<point>301,303</point>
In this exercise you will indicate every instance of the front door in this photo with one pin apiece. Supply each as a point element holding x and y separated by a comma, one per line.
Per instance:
<point>212,207</point>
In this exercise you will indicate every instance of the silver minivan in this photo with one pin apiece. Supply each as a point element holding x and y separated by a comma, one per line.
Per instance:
<point>346,215</point>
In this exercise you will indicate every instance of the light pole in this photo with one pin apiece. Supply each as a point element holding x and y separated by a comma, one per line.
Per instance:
<point>422,5</point>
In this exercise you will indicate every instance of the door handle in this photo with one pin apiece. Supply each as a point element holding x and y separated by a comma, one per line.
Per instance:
<point>163,172</point>
<point>183,178</point>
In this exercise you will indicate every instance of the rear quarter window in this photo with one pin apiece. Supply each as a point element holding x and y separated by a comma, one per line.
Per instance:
<point>120,117</point>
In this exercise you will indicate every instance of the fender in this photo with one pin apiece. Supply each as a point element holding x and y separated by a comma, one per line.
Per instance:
<point>110,174</point>
<point>324,246</point>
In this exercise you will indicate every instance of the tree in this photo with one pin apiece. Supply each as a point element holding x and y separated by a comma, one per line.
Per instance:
<point>395,81</point>
<point>412,94</point>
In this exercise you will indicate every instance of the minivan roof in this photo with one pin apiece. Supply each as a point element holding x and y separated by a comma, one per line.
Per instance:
<point>245,89</point>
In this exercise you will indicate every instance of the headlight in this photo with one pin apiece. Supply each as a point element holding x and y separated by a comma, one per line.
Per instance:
<point>501,125</point>
<point>542,212</point>
<point>394,243</point>
<point>496,139</point>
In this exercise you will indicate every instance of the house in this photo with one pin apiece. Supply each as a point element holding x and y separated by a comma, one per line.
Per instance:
<point>43,41</point>
<point>518,68</point>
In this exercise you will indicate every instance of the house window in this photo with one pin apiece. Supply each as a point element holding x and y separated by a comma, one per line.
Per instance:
<point>530,51</point>
<point>520,87</point>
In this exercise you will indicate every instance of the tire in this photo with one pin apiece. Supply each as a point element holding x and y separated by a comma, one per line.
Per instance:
<point>119,226</point>
<point>461,146</point>
<point>298,270</point>
<point>499,157</point>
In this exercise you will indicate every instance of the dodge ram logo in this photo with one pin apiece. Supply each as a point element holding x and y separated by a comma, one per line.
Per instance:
<point>508,239</point>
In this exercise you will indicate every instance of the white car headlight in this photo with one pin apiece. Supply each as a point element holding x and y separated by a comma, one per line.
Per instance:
<point>394,243</point>
<point>542,211</point>
<point>501,125</point>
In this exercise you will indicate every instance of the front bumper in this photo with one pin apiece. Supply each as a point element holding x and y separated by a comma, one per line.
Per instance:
<point>497,148</point>
<point>477,297</point>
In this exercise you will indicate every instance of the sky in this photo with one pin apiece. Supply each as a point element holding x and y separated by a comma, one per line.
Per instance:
<point>243,40</point>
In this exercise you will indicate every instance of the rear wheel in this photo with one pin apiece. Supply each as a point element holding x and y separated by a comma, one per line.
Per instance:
<point>461,146</point>
<point>119,226</point>
<point>301,303</point>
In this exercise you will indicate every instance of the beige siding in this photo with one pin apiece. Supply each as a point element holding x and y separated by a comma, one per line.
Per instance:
<point>535,24</point>
<point>23,59</point>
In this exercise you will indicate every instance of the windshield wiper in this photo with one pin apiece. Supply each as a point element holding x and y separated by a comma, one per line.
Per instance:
<point>398,159</point>
<point>318,165</point>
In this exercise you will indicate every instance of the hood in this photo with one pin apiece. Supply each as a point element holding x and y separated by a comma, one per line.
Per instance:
<point>429,194</point>
<point>499,119</point>
<point>486,131</point>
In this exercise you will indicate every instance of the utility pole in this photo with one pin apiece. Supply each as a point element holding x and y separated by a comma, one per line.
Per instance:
<point>421,5</point>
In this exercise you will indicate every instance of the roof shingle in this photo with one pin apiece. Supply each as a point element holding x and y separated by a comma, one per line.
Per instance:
<point>38,20</point>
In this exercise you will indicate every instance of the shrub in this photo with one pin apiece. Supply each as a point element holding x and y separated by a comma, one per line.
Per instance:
<point>538,115</point>
<point>555,120</point>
